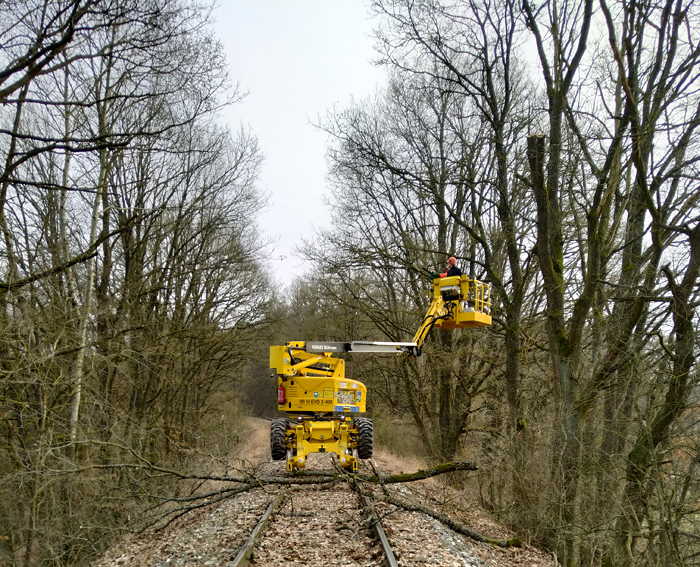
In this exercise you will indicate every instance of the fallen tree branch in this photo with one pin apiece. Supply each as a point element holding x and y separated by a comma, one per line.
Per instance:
<point>300,477</point>
<point>291,480</point>
<point>203,500</point>
<point>449,522</point>
<point>250,480</point>
<point>247,478</point>
<point>420,474</point>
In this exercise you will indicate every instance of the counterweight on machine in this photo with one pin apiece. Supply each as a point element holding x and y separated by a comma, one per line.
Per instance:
<point>324,409</point>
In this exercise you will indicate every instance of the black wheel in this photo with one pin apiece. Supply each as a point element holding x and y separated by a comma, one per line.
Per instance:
<point>365,437</point>
<point>278,438</point>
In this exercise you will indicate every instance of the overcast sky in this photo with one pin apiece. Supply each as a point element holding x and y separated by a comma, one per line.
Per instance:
<point>297,59</point>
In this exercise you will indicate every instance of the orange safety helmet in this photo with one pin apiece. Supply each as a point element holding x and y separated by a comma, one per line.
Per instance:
<point>452,261</point>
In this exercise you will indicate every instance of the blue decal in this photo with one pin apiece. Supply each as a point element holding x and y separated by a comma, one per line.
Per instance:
<point>339,408</point>
<point>359,396</point>
<point>355,409</point>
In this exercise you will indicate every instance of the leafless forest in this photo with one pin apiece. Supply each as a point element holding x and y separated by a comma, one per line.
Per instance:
<point>552,147</point>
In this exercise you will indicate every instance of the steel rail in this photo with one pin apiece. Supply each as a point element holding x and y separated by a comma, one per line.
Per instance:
<point>368,503</point>
<point>243,557</point>
<point>389,558</point>
<point>245,552</point>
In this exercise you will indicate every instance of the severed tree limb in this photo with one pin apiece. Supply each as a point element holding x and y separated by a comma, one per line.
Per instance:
<point>449,522</point>
<point>402,477</point>
<point>327,477</point>
<point>300,477</point>
<point>297,477</point>
<point>290,480</point>
<point>420,474</point>
<point>249,481</point>
<point>414,507</point>
<point>202,500</point>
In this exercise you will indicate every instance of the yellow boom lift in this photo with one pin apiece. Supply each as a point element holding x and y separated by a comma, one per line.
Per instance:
<point>324,408</point>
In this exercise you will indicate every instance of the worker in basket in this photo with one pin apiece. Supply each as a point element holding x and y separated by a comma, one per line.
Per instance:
<point>452,269</point>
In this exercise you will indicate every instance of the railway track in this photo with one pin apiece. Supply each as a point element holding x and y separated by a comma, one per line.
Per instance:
<point>334,523</point>
<point>320,517</point>
<point>258,513</point>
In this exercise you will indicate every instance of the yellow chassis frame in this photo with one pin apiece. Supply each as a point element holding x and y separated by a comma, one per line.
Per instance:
<point>328,436</point>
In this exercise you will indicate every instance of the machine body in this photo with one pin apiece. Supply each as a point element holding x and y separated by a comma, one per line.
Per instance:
<point>324,409</point>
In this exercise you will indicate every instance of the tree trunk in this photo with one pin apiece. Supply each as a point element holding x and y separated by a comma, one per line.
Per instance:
<point>642,457</point>
<point>550,254</point>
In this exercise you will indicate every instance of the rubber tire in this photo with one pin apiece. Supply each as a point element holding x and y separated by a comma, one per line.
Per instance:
<point>365,437</point>
<point>278,438</point>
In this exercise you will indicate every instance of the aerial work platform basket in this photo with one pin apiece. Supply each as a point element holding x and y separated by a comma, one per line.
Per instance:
<point>459,302</point>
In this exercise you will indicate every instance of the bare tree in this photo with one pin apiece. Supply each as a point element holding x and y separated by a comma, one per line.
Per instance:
<point>130,285</point>
<point>610,203</point>
<point>655,94</point>
<point>406,168</point>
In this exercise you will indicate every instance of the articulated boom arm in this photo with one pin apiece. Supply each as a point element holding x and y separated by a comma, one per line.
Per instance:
<point>456,302</point>
<point>437,311</point>
<point>297,359</point>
